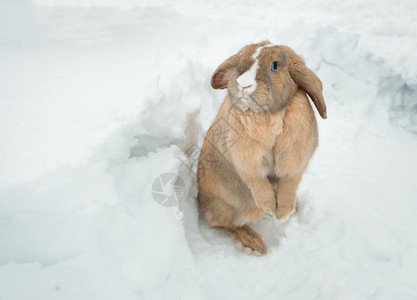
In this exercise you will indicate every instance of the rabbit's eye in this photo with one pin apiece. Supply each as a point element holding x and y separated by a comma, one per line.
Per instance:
<point>274,66</point>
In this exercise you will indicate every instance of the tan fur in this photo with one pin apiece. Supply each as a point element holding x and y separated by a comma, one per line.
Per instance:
<point>249,238</point>
<point>252,162</point>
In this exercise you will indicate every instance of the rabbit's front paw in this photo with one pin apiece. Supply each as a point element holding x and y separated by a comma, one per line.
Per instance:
<point>283,213</point>
<point>267,202</point>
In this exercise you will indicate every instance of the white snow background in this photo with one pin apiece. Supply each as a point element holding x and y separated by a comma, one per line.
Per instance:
<point>99,98</point>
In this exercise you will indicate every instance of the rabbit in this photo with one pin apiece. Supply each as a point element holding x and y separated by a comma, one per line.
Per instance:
<point>256,151</point>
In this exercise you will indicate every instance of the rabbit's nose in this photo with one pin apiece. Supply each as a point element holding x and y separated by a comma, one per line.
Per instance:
<point>247,80</point>
<point>243,82</point>
<point>244,87</point>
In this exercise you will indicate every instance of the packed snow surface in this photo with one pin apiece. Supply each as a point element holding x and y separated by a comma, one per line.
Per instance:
<point>100,98</point>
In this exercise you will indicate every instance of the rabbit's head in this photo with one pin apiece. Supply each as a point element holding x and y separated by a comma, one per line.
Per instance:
<point>265,77</point>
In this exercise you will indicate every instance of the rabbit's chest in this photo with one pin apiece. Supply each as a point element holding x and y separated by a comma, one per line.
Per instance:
<point>293,149</point>
<point>255,136</point>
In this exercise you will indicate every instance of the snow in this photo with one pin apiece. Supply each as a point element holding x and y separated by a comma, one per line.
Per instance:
<point>100,98</point>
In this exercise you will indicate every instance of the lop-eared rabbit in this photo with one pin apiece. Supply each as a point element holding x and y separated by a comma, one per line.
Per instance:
<point>259,145</point>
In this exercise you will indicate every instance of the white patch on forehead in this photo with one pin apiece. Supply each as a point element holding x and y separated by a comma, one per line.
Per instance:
<point>248,79</point>
<point>258,51</point>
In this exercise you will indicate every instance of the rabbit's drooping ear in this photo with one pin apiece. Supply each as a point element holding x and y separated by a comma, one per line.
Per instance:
<point>308,80</point>
<point>223,72</point>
